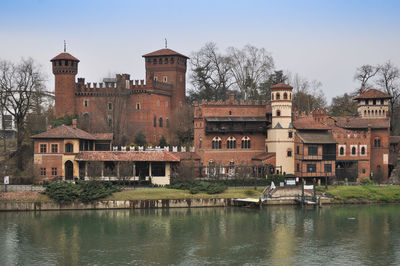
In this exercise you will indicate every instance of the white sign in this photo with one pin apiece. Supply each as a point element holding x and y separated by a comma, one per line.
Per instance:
<point>6,180</point>
<point>308,187</point>
<point>291,182</point>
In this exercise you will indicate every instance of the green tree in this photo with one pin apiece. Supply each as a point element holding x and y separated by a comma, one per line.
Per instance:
<point>140,139</point>
<point>343,106</point>
<point>163,142</point>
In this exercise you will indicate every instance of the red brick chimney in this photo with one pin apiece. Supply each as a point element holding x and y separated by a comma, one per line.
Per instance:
<point>74,123</point>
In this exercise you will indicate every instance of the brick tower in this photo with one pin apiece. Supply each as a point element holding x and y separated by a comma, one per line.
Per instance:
<point>168,66</point>
<point>65,68</point>
<point>281,134</point>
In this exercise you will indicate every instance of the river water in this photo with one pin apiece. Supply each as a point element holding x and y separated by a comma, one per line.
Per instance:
<point>331,235</point>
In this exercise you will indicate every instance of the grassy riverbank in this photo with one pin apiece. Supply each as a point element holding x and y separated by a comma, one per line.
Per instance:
<point>363,194</point>
<point>165,193</point>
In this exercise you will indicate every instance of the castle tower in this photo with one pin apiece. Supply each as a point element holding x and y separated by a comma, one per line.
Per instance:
<point>280,138</point>
<point>65,68</point>
<point>168,66</point>
<point>373,104</point>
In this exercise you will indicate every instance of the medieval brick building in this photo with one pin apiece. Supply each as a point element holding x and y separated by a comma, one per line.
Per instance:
<point>121,105</point>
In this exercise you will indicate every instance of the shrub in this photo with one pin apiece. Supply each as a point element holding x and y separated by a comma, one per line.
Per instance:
<point>86,192</point>
<point>250,192</point>
<point>366,181</point>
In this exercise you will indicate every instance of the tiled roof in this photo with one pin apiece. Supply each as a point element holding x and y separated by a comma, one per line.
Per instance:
<point>103,136</point>
<point>358,122</point>
<point>373,94</point>
<point>187,155</point>
<point>65,132</point>
<point>127,156</point>
<point>394,139</point>
<point>236,119</point>
<point>281,86</point>
<point>308,123</point>
<point>65,56</point>
<point>163,52</point>
<point>263,156</point>
<point>316,137</point>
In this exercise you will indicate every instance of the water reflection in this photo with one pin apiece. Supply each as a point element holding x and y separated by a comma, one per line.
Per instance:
<point>355,235</point>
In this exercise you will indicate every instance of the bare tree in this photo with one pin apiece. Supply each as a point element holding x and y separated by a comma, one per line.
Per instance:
<point>211,76</point>
<point>18,85</point>
<point>181,126</point>
<point>388,80</point>
<point>363,74</point>
<point>250,67</point>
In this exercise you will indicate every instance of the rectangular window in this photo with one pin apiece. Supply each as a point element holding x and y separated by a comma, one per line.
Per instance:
<point>328,168</point>
<point>312,150</point>
<point>110,106</point>
<point>377,142</point>
<point>154,121</point>
<point>43,148</point>
<point>297,149</point>
<point>43,171</point>
<point>290,134</point>
<point>86,103</point>
<point>298,167</point>
<point>311,168</point>
<point>289,153</point>
<point>54,148</point>
<point>137,106</point>
<point>53,171</point>
<point>158,169</point>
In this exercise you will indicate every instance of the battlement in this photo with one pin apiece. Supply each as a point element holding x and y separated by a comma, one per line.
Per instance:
<point>231,102</point>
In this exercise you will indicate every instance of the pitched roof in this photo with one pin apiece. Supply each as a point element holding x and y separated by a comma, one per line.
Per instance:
<point>281,86</point>
<point>316,137</point>
<point>163,52</point>
<point>308,123</point>
<point>278,125</point>
<point>127,156</point>
<point>358,122</point>
<point>65,56</point>
<point>68,132</point>
<point>373,94</point>
<point>103,136</point>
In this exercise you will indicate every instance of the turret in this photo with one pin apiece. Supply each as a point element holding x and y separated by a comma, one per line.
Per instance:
<point>373,104</point>
<point>65,68</point>
<point>168,66</point>
<point>281,103</point>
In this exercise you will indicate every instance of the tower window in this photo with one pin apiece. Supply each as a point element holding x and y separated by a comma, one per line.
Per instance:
<point>374,102</point>
<point>154,61</point>
<point>167,122</point>
<point>278,96</point>
<point>377,142</point>
<point>86,103</point>
<point>66,62</point>
<point>137,106</point>
<point>285,96</point>
<point>278,113</point>
<point>289,153</point>
<point>160,122</point>
<point>110,107</point>
<point>160,61</point>
<point>155,121</point>
<point>290,134</point>
<point>166,60</point>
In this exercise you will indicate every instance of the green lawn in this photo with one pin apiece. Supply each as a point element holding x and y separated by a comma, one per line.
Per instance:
<point>348,194</point>
<point>165,193</point>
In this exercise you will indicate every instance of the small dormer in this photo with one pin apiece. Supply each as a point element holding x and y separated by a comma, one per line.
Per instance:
<point>373,104</point>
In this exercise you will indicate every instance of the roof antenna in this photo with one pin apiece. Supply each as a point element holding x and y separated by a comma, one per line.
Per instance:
<point>166,43</point>
<point>65,47</point>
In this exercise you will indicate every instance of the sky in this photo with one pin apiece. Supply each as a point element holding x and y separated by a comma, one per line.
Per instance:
<point>320,40</point>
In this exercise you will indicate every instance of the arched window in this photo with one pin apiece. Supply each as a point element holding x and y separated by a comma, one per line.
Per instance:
<point>69,148</point>
<point>216,143</point>
<point>353,151</point>
<point>285,96</point>
<point>278,113</point>
<point>160,122</point>
<point>377,142</point>
<point>341,151</point>
<point>246,142</point>
<point>231,143</point>
<point>380,112</point>
<point>363,150</point>
<point>278,96</point>
<point>155,121</point>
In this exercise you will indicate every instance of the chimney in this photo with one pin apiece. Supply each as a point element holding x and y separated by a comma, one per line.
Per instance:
<point>74,123</point>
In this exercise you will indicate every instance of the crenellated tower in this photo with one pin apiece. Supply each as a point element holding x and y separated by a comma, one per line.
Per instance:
<point>280,138</point>
<point>65,68</point>
<point>373,104</point>
<point>168,66</point>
